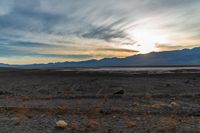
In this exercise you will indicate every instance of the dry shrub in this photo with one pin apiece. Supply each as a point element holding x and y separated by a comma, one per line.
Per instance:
<point>48,97</point>
<point>195,97</point>
<point>74,126</point>
<point>93,113</point>
<point>17,120</point>
<point>94,110</point>
<point>131,124</point>
<point>57,111</point>
<point>167,124</point>
<point>21,115</point>
<point>147,96</point>
<point>23,112</point>
<point>156,106</point>
<point>61,110</point>
<point>26,98</point>
<point>128,121</point>
<point>92,124</point>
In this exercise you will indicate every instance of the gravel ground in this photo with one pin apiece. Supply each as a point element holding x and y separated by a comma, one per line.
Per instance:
<point>32,101</point>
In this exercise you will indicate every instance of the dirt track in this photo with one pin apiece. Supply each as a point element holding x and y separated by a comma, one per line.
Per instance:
<point>31,101</point>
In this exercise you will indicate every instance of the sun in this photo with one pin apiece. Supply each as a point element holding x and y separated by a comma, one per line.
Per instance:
<point>147,40</point>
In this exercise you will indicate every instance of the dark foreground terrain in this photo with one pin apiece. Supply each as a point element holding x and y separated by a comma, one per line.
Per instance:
<point>31,101</point>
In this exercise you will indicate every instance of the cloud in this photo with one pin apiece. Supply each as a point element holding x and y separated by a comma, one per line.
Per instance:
<point>57,29</point>
<point>169,47</point>
<point>13,52</point>
<point>118,50</point>
<point>6,6</point>
<point>107,32</point>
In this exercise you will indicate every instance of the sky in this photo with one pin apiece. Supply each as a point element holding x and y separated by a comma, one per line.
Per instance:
<point>43,31</point>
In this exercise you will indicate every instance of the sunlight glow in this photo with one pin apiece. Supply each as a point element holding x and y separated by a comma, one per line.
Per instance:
<point>147,40</point>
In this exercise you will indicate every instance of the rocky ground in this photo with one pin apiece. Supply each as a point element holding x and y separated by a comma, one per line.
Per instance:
<point>32,101</point>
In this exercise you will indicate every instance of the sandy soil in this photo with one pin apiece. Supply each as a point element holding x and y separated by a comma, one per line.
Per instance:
<point>31,101</point>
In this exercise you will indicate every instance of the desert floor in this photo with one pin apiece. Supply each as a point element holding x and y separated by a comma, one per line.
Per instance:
<point>32,101</point>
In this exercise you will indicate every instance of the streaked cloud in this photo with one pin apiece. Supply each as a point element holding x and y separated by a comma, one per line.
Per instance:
<point>118,50</point>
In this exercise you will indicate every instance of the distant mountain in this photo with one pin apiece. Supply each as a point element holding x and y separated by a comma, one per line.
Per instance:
<point>4,65</point>
<point>178,57</point>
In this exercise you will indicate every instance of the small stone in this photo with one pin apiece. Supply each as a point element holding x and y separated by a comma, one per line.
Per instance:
<point>114,116</point>
<point>49,131</point>
<point>194,79</point>
<point>61,124</point>
<point>173,104</point>
<point>109,130</point>
<point>172,98</point>
<point>168,85</point>
<point>138,118</point>
<point>187,82</point>
<point>120,92</point>
<point>136,104</point>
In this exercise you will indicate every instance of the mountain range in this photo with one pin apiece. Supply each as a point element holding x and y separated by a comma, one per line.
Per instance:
<point>166,58</point>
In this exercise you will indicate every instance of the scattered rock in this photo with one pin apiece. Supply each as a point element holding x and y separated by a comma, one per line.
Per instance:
<point>105,112</point>
<point>172,98</point>
<point>173,104</point>
<point>49,131</point>
<point>120,92</point>
<point>59,92</point>
<point>136,104</point>
<point>110,130</point>
<point>194,113</point>
<point>42,91</point>
<point>138,118</point>
<point>187,82</point>
<point>194,79</point>
<point>114,116</point>
<point>61,124</point>
<point>95,79</point>
<point>168,85</point>
<point>5,92</point>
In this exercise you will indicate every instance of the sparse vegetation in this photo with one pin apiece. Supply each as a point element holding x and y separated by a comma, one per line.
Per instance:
<point>167,124</point>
